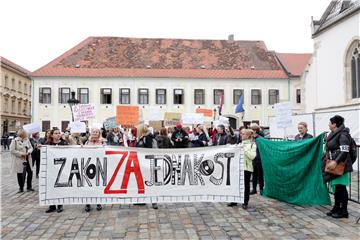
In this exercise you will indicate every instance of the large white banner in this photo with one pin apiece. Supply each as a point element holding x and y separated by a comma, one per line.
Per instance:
<point>110,175</point>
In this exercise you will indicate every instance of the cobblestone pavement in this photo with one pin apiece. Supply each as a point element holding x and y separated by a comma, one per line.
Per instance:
<point>23,218</point>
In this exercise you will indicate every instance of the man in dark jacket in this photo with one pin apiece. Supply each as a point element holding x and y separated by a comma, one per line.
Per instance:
<point>258,174</point>
<point>221,137</point>
<point>179,137</point>
<point>337,149</point>
<point>302,128</point>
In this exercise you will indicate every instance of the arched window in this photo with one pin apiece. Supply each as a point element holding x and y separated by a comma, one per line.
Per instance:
<point>352,70</point>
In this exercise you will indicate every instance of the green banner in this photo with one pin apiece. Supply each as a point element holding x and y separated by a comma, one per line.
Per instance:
<point>292,171</point>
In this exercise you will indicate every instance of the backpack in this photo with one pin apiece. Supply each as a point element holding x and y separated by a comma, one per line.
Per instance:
<point>352,150</point>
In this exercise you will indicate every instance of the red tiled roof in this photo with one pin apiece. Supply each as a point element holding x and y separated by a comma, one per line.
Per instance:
<point>141,57</point>
<point>294,63</point>
<point>8,63</point>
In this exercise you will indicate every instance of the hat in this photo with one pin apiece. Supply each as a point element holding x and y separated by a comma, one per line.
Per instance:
<point>178,125</point>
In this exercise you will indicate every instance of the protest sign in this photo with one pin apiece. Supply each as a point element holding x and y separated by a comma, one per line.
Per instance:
<point>127,116</point>
<point>83,112</point>
<point>118,175</point>
<point>77,127</point>
<point>283,114</point>
<point>32,128</point>
<point>110,123</point>
<point>171,118</point>
<point>192,118</point>
<point>206,112</point>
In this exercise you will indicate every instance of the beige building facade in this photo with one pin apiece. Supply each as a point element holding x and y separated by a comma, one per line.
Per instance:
<point>15,94</point>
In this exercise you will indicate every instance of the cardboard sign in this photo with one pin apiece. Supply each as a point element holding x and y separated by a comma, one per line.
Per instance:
<point>83,112</point>
<point>193,118</point>
<point>127,115</point>
<point>206,112</point>
<point>118,175</point>
<point>172,118</point>
<point>77,127</point>
<point>32,128</point>
<point>110,123</point>
<point>283,114</point>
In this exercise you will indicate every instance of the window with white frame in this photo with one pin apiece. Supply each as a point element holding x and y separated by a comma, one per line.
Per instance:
<point>124,97</point>
<point>178,96</point>
<point>255,96</point>
<point>64,95</point>
<point>218,93</point>
<point>237,94</point>
<point>355,73</point>
<point>105,95</point>
<point>143,96</point>
<point>274,96</point>
<point>160,96</point>
<point>45,95</point>
<point>199,96</point>
<point>83,95</point>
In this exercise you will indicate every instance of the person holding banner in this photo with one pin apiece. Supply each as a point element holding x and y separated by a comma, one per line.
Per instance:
<point>221,137</point>
<point>337,153</point>
<point>147,140</point>
<point>95,139</point>
<point>249,155</point>
<point>21,149</point>
<point>55,139</point>
<point>179,137</point>
<point>302,128</point>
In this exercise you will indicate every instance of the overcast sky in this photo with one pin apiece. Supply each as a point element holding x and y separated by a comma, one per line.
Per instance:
<point>34,32</point>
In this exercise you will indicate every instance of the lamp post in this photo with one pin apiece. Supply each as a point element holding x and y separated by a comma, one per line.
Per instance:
<point>72,102</point>
<point>214,113</point>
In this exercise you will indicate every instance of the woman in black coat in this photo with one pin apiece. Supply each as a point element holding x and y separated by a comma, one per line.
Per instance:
<point>337,148</point>
<point>201,140</point>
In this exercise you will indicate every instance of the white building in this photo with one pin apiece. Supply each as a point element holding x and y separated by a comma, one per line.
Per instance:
<point>173,75</point>
<point>331,81</point>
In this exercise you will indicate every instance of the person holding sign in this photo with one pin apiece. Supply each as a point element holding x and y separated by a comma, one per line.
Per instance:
<point>55,139</point>
<point>115,138</point>
<point>179,137</point>
<point>95,139</point>
<point>302,128</point>
<point>21,149</point>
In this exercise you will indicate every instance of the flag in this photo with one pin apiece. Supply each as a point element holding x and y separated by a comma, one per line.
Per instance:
<point>239,107</point>
<point>221,103</point>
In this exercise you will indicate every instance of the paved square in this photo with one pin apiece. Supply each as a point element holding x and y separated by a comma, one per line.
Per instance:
<point>23,218</point>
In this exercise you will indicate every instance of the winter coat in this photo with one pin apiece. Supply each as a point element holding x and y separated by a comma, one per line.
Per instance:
<point>221,139</point>
<point>249,154</point>
<point>146,141</point>
<point>18,147</point>
<point>180,134</point>
<point>36,150</point>
<point>306,136</point>
<point>111,139</point>
<point>164,142</point>
<point>337,148</point>
<point>200,141</point>
<point>257,159</point>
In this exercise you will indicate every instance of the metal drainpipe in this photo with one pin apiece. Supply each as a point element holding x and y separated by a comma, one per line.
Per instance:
<point>289,89</point>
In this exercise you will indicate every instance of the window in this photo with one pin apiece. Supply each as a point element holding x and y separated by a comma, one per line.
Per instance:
<point>255,97</point>
<point>6,105</point>
<point>25,109</point>
<point>178,96</point>
<point>143,96</point>
<point>64,95</point>
<point>6,81</point>
<point>19,87</point>
<point>217,94</point>
<point>64,125</point>
<point>273,96</point>
<point>45,125</point>
<point>298,95</point>
<point>30,90</point>
<point>45,95</point>
<point>25,89</point>
<point>199,96</point>
<point>160,96</point>
<point>19,108</point>
<point>355,74</point>
<point>105,95</point>
<point>237,94</point>
<point>13,106</point>
<point>83,95</point>
<point>124,96</point>
<point>13,83</point>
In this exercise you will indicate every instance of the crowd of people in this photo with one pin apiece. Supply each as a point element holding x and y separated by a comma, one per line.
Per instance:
<point>25,151</point>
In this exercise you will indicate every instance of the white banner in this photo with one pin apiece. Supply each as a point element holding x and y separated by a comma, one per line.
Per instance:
<point>32,128</point>
<point>283,114</point>
<point>192,118</point>
<point>118,175</point>
<point>83,112</point>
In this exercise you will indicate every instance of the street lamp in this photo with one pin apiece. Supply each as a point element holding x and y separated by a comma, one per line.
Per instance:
<point>214,113</point>
<point>72,102</point>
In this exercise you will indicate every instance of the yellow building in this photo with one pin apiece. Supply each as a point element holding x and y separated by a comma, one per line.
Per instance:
<point>15,94</point>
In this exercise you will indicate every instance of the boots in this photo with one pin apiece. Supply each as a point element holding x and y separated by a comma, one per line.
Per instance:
<point>342,213</point>
<point>334,210</point>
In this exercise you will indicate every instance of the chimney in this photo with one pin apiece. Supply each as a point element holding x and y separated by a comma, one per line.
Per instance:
<point>231,37</point>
